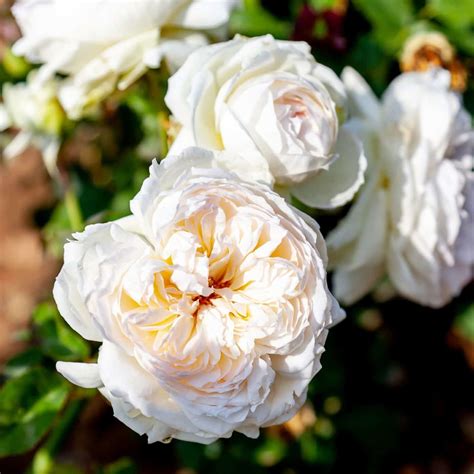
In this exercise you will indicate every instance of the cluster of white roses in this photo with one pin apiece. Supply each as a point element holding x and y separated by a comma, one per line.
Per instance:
<point>211,300</point>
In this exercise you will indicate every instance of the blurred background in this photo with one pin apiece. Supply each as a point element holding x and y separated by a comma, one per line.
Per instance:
<point>396,392</point>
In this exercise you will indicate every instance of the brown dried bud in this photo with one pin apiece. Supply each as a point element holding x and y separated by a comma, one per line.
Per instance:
<point>426,50</point>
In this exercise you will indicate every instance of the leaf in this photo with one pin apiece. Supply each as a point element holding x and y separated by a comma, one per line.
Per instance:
<point>464,323</point>
<point>22,362</point>
<point>369,59</point>
<point>322,5</point>
<point>122,466</point>
<point>463,39</point>
<point>391,20</point>
<point>458,14</point>
<point>57,230</point>
<point>14,65</point>
<point>257,22</point>
<point>56,339</point>
<point>28,407</point>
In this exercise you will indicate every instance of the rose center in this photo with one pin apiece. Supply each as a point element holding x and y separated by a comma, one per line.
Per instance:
<point>297,105</point>
<point>207,300</point>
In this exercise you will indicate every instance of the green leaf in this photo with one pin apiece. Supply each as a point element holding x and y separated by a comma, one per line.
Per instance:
<point>321,5</point>
<point>57,230</point>
<point>457,14</point>
<point>464,322</point>
<point>122,466</point>
<point>257,22</point>
<point>14,65</point>
<point>463,39</point>
<point>56,339</point>
<point>28,407</point>
<point>369,59</point>
<point>391,20</point>
<point>22,362</point>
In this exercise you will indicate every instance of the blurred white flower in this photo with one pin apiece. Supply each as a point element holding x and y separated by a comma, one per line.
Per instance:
<point>34,110</point>
<point>414,218</point>
<point>107,44</point>
<point>211,303</point>
<point>266,98</point>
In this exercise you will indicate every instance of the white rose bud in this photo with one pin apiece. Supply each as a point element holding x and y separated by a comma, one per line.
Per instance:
<point>108,44</point>
<point>414,218</point>
<point>34,110</point>
<point>266,98</point>
<point>211,303</point>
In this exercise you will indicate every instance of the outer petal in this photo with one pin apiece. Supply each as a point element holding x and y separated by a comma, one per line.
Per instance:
<point>351,285</point>
<point>71,303</point>
<point>165,175</point>
<point>357,247</point>
<point>116,66</point>
<point>80,290</point>
<point>337,185</point>
<point>175,48</point>
<point>83,375</point>
<point>18,145</point>
<point>362,101</point>
<point>204,14</point>
<point>142,392</point>
<point>5,121</point>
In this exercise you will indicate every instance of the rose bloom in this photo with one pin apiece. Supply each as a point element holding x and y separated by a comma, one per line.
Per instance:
<point>266,98</point>
<point>107,44</point>
<point>413,221</point>
<point>210,301</point>
<point>33,109</point>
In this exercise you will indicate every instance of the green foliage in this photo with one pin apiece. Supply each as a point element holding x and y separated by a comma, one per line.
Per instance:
<point>253,20</point>
<point>390,19</point>
<point>22,362</point>
<point>122,466</point>
<point>15,66</point>
<point>369,59</point>
<point>321,5</point>
<point>457,14</point>
<point>315,450</point>
<point>55,338</point>
<point>29,404</point>
<point>464,322</point>
<point>457,19</point>
<point>271,452</point>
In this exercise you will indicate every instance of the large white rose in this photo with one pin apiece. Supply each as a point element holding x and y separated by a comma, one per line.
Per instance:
<point>108,44</point>
<point>414,218</point>
<point>268,98</point>
<point>33,109</point>
<point>210,301</point>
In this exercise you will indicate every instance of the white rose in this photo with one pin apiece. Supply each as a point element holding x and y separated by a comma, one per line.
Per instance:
<point>268,98</point>
<point>108,44</point>
<point>34,110</point>
<point>413,220</point>
<point>210,301</point>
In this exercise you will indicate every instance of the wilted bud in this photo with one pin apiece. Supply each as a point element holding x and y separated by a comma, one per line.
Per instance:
<point>427,50</point>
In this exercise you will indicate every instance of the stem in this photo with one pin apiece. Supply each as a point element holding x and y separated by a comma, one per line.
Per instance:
<point>73,209</point>
<point>43,461</point>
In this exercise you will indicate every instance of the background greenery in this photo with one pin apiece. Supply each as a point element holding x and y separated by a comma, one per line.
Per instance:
<point>396,391</point>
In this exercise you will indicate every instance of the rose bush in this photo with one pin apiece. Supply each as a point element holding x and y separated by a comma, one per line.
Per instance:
<point>103,44</point>
<point>210,301</point>
<point>270,99</point>
<point>414,218</point>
